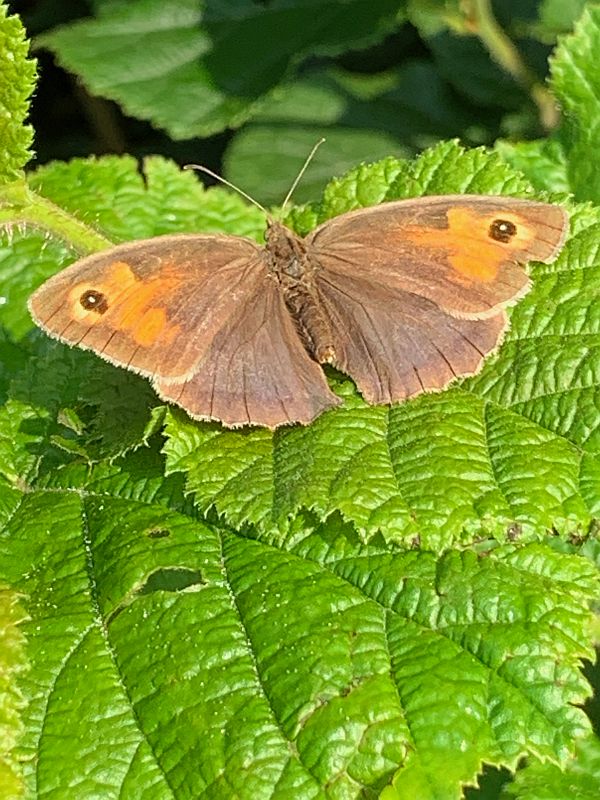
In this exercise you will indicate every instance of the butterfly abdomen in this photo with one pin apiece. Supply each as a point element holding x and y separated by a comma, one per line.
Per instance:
<point>290,263</point>
<point>312,323</point>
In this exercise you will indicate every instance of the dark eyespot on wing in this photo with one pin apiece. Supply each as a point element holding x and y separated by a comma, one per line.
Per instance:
<point>93,300</point>
<point>502,230</point>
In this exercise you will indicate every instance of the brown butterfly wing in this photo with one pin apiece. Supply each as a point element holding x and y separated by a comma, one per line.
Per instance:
<point>256,371</point>
<point>164,306</point>
<point>402,345</point>
<point>414,291</point>
<point>159,301</point>
<point>463,252</point>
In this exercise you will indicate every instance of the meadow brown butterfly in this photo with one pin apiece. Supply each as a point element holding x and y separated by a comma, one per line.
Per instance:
<point>403,297</point>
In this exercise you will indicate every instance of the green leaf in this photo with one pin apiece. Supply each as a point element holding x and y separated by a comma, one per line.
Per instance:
<point>26,259</point>
<point>580,779</point>
<point>12,357</point>
<point>172,88</point>
<point>383,470</point>
<point>267,636</point>
<point>568,162</point>
<point>72,421</point>
<point>12,665</point>
<point>114,196</point>
<point>543,162</point>
<point>17,81</point>
<point>184,655</point>
<point>283,30</point>
<point>360,117</point>
<point>460,54</point>
<point>201,80</point>
<point>558,16</point>
<point>576,82</point>
<point>279,151</point>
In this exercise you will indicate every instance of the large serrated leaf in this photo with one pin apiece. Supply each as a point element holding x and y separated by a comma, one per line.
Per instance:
<point>203,75</point>
<point>201,663</point>
<point>280,657</point>
<point>515,445</point>
<point>581,779</point>
<point>246,641</point>
<point>514,449</point>
<point>125,203</point>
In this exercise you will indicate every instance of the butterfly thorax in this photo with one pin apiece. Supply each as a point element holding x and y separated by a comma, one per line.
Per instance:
<point>287,253</point>
<point>291,265</point>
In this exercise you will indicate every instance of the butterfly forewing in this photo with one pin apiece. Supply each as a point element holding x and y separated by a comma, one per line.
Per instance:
<point>153,305</point>
<point>464,253</point>
<point>201,316</point>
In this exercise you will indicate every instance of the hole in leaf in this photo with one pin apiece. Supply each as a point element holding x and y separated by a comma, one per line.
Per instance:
<point>167,579</point>
<point>171,579</point>
<point>158,533</point>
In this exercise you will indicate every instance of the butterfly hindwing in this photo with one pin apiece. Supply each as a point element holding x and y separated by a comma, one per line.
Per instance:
<point>404,346</point>
<point>256,370</point>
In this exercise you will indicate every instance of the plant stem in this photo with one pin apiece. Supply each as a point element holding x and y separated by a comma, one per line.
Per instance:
<point>503,50</point>
<point>21,207</point>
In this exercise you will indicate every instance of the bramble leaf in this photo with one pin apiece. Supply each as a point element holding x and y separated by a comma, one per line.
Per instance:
<point>474,460</point>
<point>580,779</point>
<point>204,75</point>
<point>569,160</point>
<point>515,448</point>
<point>17,80</point>
<point>286,649</point>
<point>576,81</point>
<point>543,162</point>
<point>187,654</point>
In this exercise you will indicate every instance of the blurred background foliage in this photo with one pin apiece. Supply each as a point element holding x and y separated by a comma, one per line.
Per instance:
<point>246,87</point>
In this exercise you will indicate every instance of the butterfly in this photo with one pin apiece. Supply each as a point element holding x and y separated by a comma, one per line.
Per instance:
<point>403,297</point>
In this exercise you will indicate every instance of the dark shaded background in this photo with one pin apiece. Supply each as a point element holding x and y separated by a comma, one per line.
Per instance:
<point>71,122</point>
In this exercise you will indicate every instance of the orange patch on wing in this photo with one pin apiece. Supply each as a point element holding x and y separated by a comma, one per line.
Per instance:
<point>152,327</point>
<point>135,306</point>
<point>466,244</point>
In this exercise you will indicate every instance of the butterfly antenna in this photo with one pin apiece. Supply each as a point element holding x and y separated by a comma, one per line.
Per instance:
<point>235,188</point>
<point>298,178</point>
